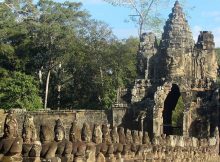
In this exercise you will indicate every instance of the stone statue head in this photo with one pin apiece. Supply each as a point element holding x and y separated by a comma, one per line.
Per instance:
<point>86,133</point>
<point>73,130</point>
<point>59,131</point>
<point>176,64</point>
<point>146,139</point>
<point>135,136</point>
<point>114,135</point>
<point>29,131</point>
<point>105,129</point>
<point>10,126</point>
<point>46,133</point>
<point>97,134</point>
<point>121,131</point>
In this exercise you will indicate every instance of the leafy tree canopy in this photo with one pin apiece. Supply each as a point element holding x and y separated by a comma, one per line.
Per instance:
<point>78,61</point>
<point>18,90</point>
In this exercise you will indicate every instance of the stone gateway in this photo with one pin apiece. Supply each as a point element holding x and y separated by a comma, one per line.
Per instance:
<point>172,113</point>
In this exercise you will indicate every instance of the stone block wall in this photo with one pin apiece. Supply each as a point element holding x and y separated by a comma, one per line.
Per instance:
<point>118,113</point>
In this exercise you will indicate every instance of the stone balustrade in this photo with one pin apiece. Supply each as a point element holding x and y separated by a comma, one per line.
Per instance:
<point>98,143</point>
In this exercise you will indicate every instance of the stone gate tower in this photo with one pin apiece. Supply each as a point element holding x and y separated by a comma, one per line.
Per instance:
<point>177,46</point>
<point>177,67</point>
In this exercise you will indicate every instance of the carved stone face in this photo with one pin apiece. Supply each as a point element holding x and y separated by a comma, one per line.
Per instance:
<point>72,137</point>
<point>27,134</point>
<point>86,133</point>
<point>175,65</point>
<point>10,130</point>
<point>59,134</point>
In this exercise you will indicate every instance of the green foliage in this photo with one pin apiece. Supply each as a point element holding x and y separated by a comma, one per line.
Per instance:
<point>18,90</point>
<point>177,115</point>
<point>99,67</point>
<point>36,38</point>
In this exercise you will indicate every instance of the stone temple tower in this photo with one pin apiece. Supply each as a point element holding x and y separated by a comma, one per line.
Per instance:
<point>204,57</point>
<point>176,73</point>
<point>176,46</point>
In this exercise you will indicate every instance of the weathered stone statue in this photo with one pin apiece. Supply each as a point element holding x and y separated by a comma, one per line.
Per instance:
<point>80,154</point>
<point>97,134</point>
<point>10,143</point>
<point>106,134</point>
<point>49,147</point>
<point>86,133</point>
<point>100,157</point>
<point>90,153</point>
<point>126,153</point>
<point>114,135</point>
<point>110,154</point>
<point>31,147</point>
<point>78,146</point>
<point>146,139</point>
<point>64,147</point>
<point>135,137</point>
<point>121,135</point>
<point>128,137</point>
<point>73,130</point>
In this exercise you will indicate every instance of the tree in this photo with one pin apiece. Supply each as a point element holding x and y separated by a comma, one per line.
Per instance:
<point>18,90</point>
<point>37,39</point>
<point>177,115</point>
<point>88,65</point>
<point>53,32</point>
<point>98,65</point>
<point>145,13</point>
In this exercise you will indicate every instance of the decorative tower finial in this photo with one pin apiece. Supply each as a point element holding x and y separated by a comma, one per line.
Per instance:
<point>177,3</point>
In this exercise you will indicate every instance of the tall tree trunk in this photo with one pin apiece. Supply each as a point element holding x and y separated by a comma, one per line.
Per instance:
<point>46,90</point>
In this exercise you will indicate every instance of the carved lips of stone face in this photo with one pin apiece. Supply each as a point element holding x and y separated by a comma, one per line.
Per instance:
<point>59,134</point>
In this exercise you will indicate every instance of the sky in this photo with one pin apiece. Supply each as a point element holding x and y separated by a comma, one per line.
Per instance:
<point>203,15</point>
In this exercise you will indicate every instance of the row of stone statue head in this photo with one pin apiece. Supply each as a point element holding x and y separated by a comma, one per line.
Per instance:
<point>53,143</point>
<point>95,133</point>
<point>99,142</point>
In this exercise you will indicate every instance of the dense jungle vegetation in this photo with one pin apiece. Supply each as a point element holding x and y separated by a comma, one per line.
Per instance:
<point>57,49</point>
